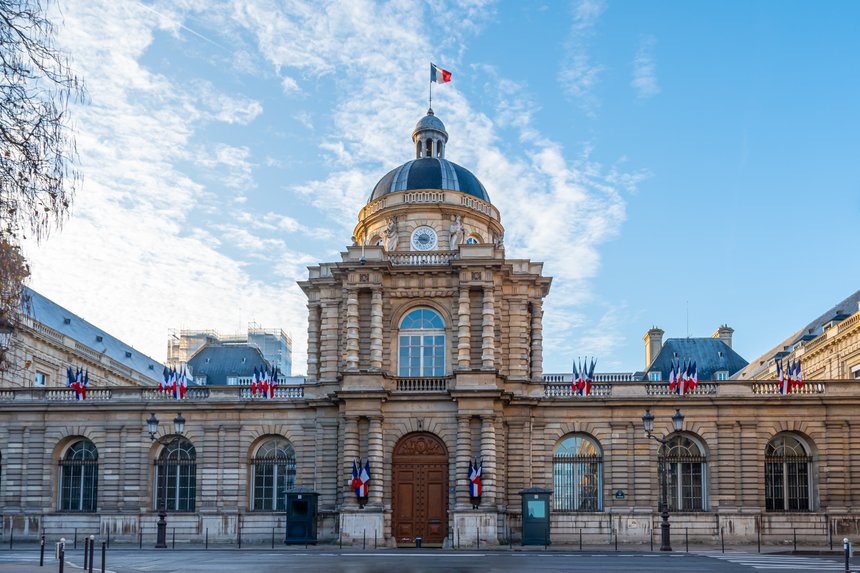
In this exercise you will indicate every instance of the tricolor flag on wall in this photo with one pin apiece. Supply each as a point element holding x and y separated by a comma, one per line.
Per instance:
<point>475,485</point>
<point>439,75</point>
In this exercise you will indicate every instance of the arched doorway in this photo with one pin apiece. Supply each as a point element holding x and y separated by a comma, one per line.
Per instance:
<point>420,501</point>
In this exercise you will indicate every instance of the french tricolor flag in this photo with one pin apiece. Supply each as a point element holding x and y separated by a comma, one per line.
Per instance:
<point>439,75</point>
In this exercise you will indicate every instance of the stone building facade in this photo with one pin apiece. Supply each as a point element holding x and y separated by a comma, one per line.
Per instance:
<point>424,354</point>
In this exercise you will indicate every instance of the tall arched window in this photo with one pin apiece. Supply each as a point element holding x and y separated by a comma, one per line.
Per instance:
<point>422,344</point>
<point>274,473</point>
<point>79,477</point>
<point>180,459</point>
<point>787,467</point>
<point>683,459</point>
<point>577,468</point>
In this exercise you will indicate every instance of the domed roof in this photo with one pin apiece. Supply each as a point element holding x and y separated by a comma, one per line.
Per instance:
<point>430,173</point>
<point>429,121</point>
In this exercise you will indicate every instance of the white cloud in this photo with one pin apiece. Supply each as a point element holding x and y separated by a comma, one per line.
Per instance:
<point>290,86</point>
<point>578,76</point>
<point>645,69</point>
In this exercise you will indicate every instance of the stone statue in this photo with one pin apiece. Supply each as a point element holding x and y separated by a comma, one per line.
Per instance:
<point>499,240</point>
<point>455,233</point>
<point>391,235</point>
<point>354,241</point>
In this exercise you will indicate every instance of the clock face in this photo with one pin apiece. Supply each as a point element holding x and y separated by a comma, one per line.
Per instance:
<point>423,239</point>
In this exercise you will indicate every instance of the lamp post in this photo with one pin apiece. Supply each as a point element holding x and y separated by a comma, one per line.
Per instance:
<point>677,424</point>
<point>152,428</point>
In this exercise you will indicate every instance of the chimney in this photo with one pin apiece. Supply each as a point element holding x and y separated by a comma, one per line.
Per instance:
<point>653,344</point>
<point>724,333</point>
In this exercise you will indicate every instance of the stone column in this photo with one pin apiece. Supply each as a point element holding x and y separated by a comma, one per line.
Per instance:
<point>350,453</point>
<point>462,459</point>
<point>313,340</point>
<point>518,321</point>
<point>376,330</point>
<point>488,452</point>
<point>537,341</point>
<point>374,455</point>
<point>488,333</point>
<point>463,334</point>
<point>352,330</point>
<point>329,351</point>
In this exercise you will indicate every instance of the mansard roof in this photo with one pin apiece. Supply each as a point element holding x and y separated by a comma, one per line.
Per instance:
<point>219,361</point>
<point>711,355</point>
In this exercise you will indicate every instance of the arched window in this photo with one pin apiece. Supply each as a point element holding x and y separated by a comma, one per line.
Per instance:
<point>422,344</point>
<point>79,477</point>
<point>577,468</point>
<point>787,467</point>
<point>274,473</point>
<point>179,458</point>
<point>472,240</point>
<point>683,459</point>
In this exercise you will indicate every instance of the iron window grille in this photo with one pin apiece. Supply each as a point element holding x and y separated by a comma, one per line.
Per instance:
<point>181,476</point>
<point>685,466</point>
<point>577,475</point>
<point>787,468</point>
<point>79,478</point>
<point>274,467</point>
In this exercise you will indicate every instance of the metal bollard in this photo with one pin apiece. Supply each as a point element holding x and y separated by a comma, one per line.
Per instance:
<point>42,552</point>
<point>76,538</point>
<point>846,545</point>
<point>174,539</point>
<point>795,538</point>
<point>92,551</point>
<point>11,538</point>
<point>140,536</point>
<point>374,539</point>
<point>86,551</point>
<point>62,554</point>
<point>104,554</point>
<point>108,539</point>
<point>580,541</point>
<point>273,538</point>
<point>652,536</point>
<point>478,536</point>
<point>363,538</point>
<point>723,540</point>
<point>207,538</point>
<point>687,538</point>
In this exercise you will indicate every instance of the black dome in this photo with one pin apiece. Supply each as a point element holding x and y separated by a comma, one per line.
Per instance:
<point>430,173</point>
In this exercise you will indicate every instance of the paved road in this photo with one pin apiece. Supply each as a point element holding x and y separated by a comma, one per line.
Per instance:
<point>133,561</point>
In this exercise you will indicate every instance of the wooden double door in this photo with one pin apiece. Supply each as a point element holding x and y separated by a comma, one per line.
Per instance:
<point>420,479</point>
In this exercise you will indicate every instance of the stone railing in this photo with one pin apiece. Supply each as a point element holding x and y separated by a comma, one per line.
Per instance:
<point>280,393</point>
<point>67,394</point>
<point>422,384</point>
<point>809,388</point>
<point>424,197</point>
<point>662,389</point>
<point>567,391</point>
<point>409,258</point>
<point>598,377</point>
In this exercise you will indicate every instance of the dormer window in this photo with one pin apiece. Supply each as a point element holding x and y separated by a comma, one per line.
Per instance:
<point>429,148</point>
<point>721,375</point>
<point>655,376</point>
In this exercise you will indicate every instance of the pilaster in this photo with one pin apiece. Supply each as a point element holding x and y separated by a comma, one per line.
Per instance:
<point>352,330</point>
<point>374,456</point>
<point>537,340</point>
<point>463,334</point>
<point>350,453</point>
<point>488,452</point>
<point>462,459</point>
<point>313,340</point>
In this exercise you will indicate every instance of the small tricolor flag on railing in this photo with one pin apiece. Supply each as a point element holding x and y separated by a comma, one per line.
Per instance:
<point>583,376</point>
<point>790,376</point>
<point>683,378</point>
<point>264,383</point>
<point>78,381</point>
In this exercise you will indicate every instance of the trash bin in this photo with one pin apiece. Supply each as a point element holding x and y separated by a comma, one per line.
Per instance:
<point>418,541</point>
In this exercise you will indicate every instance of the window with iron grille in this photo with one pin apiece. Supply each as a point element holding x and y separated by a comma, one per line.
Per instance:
<point>787,467</point>
<point>683,460</point>
<point>180,458</point>
<point>577,467</point>
<point>274,467</point>
<point>79,478</point>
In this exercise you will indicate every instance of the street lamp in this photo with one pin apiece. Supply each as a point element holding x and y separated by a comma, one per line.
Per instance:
<point>677,423</point>
<point>152,428</point>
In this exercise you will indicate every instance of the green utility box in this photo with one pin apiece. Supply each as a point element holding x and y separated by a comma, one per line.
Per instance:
<point>536,516</point>
<point>301,516</point>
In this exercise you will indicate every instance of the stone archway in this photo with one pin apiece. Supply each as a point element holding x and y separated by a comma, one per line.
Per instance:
<point>419,472</point>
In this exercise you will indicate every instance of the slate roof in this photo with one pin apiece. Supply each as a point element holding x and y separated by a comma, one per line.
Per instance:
<point>54,316</point>
<point>812,330</point>
<point>710,355</point>
<point>430,173</point>
<point>219,361</point>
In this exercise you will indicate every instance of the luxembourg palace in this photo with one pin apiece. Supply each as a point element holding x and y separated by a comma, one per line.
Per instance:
<point>425,355</point>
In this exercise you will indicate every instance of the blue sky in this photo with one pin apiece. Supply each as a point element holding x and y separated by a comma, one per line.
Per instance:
<point>674,164</point>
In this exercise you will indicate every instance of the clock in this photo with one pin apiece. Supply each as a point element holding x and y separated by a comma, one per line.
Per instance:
<point>424,239</point>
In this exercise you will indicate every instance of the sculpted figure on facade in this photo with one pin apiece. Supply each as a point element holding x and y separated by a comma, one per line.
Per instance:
<point>391,235</point>
<point>455,232</point>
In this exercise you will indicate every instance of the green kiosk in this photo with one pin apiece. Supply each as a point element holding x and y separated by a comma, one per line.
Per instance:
<point>301,516</point>
<point>536,515</point>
